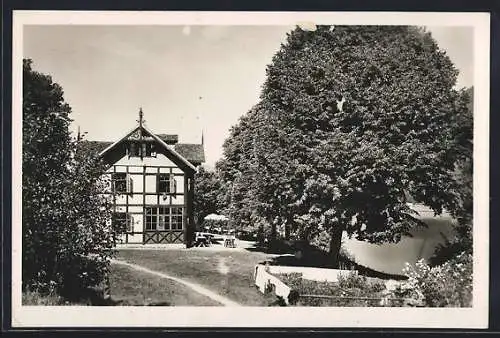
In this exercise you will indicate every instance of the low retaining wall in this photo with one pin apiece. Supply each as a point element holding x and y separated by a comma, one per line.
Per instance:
<point>265,280</point>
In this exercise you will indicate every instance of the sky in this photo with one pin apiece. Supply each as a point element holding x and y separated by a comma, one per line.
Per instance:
<point>188,80</point>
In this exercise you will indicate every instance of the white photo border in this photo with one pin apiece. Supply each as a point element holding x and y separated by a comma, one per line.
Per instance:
<point>265,317</point>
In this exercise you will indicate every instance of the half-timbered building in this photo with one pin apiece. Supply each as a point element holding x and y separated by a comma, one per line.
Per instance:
<point>151,181</point>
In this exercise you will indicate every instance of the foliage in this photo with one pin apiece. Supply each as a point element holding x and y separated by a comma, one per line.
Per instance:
<point>463,210</point>
<point>238,175</point>
<point>215,225</point>
<point>66,241</point>
<point>352,290</point>
<point>446,285</point>
<point>35,298</point>
<point>351,120</point>
<point>207,196</point>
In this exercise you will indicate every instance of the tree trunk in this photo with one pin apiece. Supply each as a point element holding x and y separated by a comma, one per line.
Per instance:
<point>274,233</point>
<point>287,231</point>
<point>260,235</point>
<point>288,228</point>
<point>335,244</point>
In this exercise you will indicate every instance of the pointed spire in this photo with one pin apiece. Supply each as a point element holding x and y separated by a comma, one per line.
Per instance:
<point>78,136</point>
<point>202,136</point>
<point>141,116</point>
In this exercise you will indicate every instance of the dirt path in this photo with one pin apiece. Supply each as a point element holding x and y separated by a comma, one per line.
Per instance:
<point>196,287</point>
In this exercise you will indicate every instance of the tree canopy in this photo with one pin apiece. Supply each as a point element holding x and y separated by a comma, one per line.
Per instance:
<point>207,196</point>
<point>351,120</point>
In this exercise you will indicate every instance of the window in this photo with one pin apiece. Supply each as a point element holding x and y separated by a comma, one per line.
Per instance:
<point>149,149</point>
<point>151,218</point>
<point>163,218</point>
<point>134,149</point>
<point>119,182</point>
<point>122,183</point>
<point>138,149</point>
<point>166,184</point>
<point>123,222</point>
<point>176,218</point>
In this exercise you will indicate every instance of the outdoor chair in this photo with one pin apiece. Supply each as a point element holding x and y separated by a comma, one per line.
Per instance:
<point>229,241</point>
<point>201,241</point>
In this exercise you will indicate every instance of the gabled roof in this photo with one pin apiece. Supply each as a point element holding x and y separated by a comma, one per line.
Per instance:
<point>169,138</point>
<point>94,147</point>
<point>187,154</point>
<point>159,140</point>
<point>193,152</point>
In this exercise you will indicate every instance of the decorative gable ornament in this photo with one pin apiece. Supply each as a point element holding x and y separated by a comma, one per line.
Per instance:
<point>136,135</point>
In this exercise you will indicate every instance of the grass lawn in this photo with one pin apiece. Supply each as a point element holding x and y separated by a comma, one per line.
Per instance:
<point>229,273</point>
<point>35,298</point>
<point>131,287</point>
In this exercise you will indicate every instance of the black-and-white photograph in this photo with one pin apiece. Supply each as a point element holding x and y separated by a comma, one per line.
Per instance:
<point>305,165</point>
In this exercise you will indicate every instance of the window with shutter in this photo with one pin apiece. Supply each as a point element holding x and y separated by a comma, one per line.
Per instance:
<point>119,182</point>
<point>130,185</point>
<point>173,184</point>
<point>130,223</point>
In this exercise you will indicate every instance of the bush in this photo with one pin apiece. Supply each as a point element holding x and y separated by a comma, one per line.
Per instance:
<point>36,298</point>
<point>67,242</point>
<point>446,285</point>
<point>353,288</point>
<point>461,242</point>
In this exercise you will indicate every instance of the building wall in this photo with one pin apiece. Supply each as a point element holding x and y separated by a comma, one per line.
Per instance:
<point>143,175</point>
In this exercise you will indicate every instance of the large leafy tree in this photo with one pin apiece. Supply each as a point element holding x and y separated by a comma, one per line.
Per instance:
<point>243,181</point>
<point>66,241</point>
<point>352,119</point>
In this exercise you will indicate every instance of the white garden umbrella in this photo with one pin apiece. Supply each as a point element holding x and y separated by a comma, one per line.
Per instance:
<point>215,217</point>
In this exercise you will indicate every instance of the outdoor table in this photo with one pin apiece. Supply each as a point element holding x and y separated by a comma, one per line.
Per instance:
<point>229,242</point>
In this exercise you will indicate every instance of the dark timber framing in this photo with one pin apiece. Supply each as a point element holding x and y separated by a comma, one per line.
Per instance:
<point>157,236</point>
<point>129,202</point>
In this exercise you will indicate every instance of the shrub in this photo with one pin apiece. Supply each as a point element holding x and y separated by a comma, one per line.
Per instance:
<point>446,285</point>
<point>35,298</point>
<point>461,242</point>
<point>66,240</point>
<point>352,290</point>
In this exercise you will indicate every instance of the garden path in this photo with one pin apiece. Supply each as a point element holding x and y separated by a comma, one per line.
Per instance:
<point>194,286</point>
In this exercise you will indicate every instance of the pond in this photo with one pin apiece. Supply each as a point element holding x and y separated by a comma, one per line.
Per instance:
<point>391,258</point>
